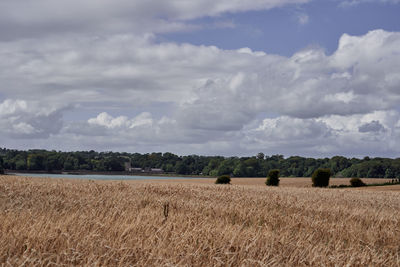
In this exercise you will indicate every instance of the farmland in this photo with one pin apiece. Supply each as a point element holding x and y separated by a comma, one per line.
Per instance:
<point>196,223</point>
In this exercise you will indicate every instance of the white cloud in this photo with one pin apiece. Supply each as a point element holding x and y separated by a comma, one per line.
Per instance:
<point>200,97</point>
<point>106,120</point>
<point>351,3</point>
<point>286,128</point>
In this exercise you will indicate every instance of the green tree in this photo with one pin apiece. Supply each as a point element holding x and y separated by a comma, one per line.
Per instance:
<point>1,165</point>
<point>223,179</point>
<point>71,163</point>
<point>168,167</point>
<point>226,167</point>
<point>20,164</point>
<point>35,162</point>
<point>114,164</point>
<point>240,170</point>
<point>252,167</point>
<point>356,182</point>
<point>320,178</point>
<point>181,168</point>
<point>338,164</point>
<point>389,173</point>
<point>53,163</point>
<point>273,178</point>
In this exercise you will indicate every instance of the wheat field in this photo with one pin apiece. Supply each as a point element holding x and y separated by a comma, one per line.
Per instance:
<point>51,222</point>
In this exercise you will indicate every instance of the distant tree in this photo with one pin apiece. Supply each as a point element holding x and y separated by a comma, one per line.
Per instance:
<point>71,163</point>
<point>20,164</point>
<point>338,164</point>
<point>389,173</point>
<point>260,155</point>
<point>206,170</point>
<point>320,178</point>
<point>114,164</point>
<point>168,167</point>
<point>240,170</point>
<point>36,162</point>
<point>1,166</point>
<point>181,168</point>
<point>356,182</point>
<point>223,179</point>
<point>213,173</point>
<point>226,167</point>
<point>273,178</point>
<point>252,167</point>
<point>53,163</point>
<point>85,167</point>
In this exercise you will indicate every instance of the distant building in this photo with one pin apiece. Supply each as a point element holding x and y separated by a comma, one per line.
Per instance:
<point>127,166</point>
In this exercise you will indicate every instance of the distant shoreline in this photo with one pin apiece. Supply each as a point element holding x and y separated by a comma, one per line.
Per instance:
<point>116,173</point>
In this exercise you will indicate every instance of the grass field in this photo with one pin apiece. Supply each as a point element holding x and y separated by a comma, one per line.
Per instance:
<point>196,223</point>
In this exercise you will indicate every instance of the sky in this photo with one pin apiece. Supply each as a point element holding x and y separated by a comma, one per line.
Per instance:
<point>209,77</point>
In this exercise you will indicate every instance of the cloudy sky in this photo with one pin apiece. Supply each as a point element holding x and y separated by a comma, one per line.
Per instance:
<point>211,77</point>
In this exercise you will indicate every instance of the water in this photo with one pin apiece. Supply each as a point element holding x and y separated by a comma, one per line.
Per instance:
<point>98,176</point>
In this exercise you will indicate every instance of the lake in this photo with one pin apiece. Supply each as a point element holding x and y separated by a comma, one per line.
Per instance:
<point>98,176</point>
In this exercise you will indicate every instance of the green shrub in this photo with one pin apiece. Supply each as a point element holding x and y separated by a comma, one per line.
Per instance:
<point>223,179</point>
<point>273,178</point>
<point>320,177</point>
<point>356,182</point>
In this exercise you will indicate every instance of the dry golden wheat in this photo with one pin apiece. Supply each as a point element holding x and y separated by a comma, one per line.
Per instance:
<point>68,222</point>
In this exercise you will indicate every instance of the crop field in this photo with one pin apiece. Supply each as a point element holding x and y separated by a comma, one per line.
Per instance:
<point>191,223</point>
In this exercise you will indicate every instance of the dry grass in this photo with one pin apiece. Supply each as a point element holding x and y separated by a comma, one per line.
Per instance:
<point>68,222</point>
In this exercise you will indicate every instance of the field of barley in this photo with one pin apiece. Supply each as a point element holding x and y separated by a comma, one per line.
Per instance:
<point>118,223</point>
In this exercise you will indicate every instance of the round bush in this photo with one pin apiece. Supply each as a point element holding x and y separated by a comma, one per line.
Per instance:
<point>223,179</point>
<point>273,178</point>
<point>320,178</point>
<point>356,182</point>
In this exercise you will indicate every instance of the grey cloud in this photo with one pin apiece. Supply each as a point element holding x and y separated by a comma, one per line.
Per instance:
<point>215,108</point>
<point>291,130</point>
<point>373,126</point>
<point>28,19</point>
<point>81,128</point>
<point>22,119</point>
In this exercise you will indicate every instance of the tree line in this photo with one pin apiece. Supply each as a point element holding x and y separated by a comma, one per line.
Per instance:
<point>255,166</point>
